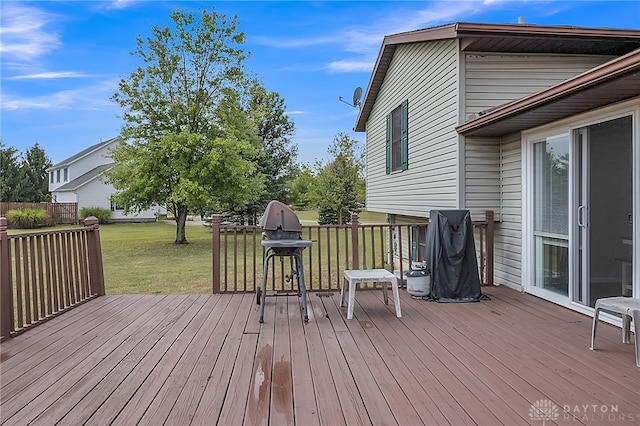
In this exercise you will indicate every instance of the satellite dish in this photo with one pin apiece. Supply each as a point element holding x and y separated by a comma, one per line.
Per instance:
<point>357,94</point>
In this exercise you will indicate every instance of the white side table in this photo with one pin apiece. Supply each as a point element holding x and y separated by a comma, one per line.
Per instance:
<point>354,276</point>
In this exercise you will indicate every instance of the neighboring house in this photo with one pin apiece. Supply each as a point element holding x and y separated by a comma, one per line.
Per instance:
<point>540,124</point>
<point>78,179</point>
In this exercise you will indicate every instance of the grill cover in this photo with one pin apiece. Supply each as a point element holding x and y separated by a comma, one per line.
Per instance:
<point>280,222</point>
<point>451,256</point>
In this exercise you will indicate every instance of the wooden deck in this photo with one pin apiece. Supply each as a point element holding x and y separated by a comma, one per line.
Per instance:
<point>205,360</point>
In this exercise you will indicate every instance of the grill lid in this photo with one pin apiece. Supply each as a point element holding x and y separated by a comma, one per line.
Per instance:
<point>279,216</point>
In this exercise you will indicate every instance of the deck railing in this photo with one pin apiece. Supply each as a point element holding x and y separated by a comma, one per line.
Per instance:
<point>43,274</point>
<point>238,254</point>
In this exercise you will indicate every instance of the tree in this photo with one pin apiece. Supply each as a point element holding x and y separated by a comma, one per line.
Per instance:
<point>9,174</point>
<point>276,159</point>
<point>24,178</point>
<point>340,183</point>
<point>303,195</point>
<point>186,141</point>
<point>35,178</point>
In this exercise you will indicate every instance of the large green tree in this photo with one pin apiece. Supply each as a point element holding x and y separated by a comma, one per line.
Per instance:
<point>275,160</point>
<point>340,182</point>
<point>187,141</point>
<point>35,178</point>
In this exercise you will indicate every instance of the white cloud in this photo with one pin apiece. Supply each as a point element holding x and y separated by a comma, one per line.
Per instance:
<point>295,42</point>
<point>351,66</point>
<point>23,33</point>
<point>86,98</point>
<point>295,112</point>
<point>49,75</point>
<point>365,41</point>
<point>118,4</point>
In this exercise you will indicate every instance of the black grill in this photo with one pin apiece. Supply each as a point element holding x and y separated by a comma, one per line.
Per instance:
<point>282,237</point>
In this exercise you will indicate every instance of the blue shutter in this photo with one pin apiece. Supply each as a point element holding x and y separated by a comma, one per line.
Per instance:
<point>388,144</point>
<point>405,135</point>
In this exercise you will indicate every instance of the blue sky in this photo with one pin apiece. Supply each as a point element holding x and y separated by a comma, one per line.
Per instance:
<point>61,60</point>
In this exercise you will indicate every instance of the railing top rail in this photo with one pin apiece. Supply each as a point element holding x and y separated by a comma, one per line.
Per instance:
<point>47,232</point>
<point>346,226</point>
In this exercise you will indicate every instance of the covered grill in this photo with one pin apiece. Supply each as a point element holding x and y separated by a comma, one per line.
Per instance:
<point>282,234</point>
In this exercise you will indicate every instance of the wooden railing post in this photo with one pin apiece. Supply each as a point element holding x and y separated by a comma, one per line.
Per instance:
<point>216,219</point>
<point>6,296</point>
<point>355,246</point>
<point>489,218</point>
<point>96,271</point>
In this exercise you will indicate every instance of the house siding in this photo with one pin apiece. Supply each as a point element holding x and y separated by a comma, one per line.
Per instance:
<point>482,176</point>
<point>492,80</point>
<point>508,231</point>
<point>85,164</point>
<point>426,75</point>
<point>93,191</point>
<point>93,194</point>
<point>65,197</point>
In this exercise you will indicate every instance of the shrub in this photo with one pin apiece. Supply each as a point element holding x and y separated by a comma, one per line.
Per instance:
<point>327,216</point>
<point>27,218</point>
<point>103,215</point>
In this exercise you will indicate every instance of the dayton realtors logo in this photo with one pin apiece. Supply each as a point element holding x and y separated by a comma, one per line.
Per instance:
<point>544,410</point>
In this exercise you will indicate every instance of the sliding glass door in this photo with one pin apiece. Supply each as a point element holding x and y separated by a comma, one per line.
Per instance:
<point>581,204</point>
<point>551,214</point>
<point>603,186</point>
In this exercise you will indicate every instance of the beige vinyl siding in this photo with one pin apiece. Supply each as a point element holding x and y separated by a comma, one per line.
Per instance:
<point>95,193</point>
<point>426,75</point>
<point>493,80</point>
<point>482,176</point>
<point>508,232</point>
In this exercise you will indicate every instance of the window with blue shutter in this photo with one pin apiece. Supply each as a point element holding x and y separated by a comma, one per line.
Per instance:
<point>397,139</point>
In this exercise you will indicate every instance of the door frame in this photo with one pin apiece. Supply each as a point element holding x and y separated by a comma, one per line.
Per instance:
<point>569,125</point>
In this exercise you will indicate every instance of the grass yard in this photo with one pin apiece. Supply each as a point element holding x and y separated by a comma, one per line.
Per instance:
<point>142,258</point>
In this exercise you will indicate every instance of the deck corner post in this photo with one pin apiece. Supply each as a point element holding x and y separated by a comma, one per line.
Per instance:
<point>489,218</point>
<point>6,299</point>
<point>355,245</point>
<point>96,270</point>
<point>216,219</point>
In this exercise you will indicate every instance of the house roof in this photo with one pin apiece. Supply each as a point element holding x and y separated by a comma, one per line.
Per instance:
<point>84,179</point>
<point>501,38</point>
<point>609,83</point>
<point>82,154</point>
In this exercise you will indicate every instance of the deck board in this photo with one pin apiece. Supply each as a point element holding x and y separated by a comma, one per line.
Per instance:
<point>205,359</point>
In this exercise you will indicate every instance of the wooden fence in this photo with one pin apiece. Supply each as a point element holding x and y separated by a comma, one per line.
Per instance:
<point>238,254</point>
<point>58,213</point>
<point>43,274</point>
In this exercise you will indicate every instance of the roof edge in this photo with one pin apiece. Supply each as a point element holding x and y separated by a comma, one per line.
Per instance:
<point>466,29</point>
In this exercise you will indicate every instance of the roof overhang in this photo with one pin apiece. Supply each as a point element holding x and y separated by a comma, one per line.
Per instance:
<point>612,82</point>
<point>501,38</point>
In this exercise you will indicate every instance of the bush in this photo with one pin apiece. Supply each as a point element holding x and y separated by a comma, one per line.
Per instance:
<point>27,218</point>
<point>103,215</point>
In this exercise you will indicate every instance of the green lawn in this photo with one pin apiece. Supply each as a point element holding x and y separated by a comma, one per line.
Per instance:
<point>142,258</point>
